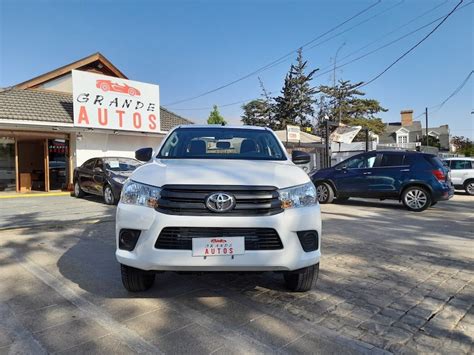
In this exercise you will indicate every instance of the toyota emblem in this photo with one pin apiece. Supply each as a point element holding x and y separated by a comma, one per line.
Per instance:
<point>220,202</point>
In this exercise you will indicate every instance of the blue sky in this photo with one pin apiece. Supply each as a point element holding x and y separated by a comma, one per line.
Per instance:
<point>189,47</point>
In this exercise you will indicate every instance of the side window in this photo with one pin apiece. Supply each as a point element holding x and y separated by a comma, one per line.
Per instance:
<point>99,163</point>
<point>361,162</point>
<point>392,160</point>
<point>460,164</point>
<point>89,165</point>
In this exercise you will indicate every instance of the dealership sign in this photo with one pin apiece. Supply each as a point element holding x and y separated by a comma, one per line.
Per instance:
<point>107,102</point>
<point>293,133</point>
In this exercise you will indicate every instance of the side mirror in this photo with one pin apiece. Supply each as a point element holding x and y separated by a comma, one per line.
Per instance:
<point>299,157</point>
<point>98,169</point>
<point>144,154</point>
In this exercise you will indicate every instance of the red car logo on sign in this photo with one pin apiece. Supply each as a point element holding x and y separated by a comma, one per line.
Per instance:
<point>108,85</point>
<point>218,241</point>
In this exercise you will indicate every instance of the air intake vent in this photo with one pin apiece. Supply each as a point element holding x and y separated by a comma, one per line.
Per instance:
<point>255,238</point>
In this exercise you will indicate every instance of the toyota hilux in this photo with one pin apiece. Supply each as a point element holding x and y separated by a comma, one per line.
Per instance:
<point>217,198</point>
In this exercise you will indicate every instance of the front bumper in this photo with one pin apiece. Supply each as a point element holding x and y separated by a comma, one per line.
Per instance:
<point>146,257</point>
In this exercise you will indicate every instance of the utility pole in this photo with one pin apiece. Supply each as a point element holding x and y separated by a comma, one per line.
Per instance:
<point>335,59</point>
<point>426,128</point>
<point>328,159</point>
<point>366,139</point>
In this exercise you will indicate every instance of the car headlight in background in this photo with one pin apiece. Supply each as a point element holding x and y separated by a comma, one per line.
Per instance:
<point>119,179</point>
<point>298,196</point>
<point>134,193</point>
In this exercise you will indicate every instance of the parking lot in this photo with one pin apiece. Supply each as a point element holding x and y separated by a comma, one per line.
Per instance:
<point>390,281</point>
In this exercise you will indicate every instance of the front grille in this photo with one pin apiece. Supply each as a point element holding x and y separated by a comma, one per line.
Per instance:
<point>190,200</point>
<point>255,238</point>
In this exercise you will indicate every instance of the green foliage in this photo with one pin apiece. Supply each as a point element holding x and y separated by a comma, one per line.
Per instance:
<point>432,141</point>
<point>345,103</point>
<point>463,145</point>
<point>257,113</point>
<point>215,117</point>
<point>295,105</point>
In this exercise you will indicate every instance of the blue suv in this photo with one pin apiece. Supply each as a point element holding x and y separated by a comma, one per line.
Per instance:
<point>416,179</point>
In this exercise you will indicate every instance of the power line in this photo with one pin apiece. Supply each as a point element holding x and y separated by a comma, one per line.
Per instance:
<point>412,48</point>
<point>267,66</point>
<point>357,58</point>
<point>454,93</point>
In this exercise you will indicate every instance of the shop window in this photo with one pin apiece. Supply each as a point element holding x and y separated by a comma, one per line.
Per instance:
<point>7,164</point>
<point>58,163</point>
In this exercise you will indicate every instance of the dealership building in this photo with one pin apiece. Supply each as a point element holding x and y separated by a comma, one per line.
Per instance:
<point>47,129</point>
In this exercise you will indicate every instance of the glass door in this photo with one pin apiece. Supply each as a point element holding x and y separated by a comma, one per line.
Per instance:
<point>7,164</point>
<point>58,163</point>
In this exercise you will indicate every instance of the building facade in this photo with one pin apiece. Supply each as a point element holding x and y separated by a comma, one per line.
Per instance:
<point>409,134</point>
<point>39,144</point>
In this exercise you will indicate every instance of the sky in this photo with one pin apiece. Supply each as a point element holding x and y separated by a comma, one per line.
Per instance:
<point>191,47</point>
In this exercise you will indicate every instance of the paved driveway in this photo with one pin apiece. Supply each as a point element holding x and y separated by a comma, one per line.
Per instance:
<point>390,279</point>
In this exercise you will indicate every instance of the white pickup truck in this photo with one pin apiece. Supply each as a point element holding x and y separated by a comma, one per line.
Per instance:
<point>214,198</point>
<point>462,173</point>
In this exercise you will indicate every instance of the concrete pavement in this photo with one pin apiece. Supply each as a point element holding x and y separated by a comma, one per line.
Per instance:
<point>390,279</point>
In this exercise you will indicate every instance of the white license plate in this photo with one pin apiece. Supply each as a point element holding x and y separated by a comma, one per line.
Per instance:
<point>222,246</point>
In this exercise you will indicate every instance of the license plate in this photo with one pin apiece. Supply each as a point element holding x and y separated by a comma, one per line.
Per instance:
<point>222,246</point>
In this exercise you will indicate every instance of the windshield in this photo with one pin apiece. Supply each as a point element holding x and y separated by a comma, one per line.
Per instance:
<point>121,164</point>
<point>222,143</point>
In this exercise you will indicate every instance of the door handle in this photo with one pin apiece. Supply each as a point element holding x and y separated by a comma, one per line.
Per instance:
<point>367,173</point>
<point>405,170</point>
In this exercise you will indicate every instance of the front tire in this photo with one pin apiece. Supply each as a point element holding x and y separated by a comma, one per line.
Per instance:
<point>469,187</point>
<point>302,280</point>
<point>109,197</point>
<point>136,280</point>
<point>77,190</point>
<point>416,199</point>
<point>324,192</point>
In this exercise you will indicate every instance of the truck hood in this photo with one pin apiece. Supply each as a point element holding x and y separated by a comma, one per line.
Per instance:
<point>280,174</point>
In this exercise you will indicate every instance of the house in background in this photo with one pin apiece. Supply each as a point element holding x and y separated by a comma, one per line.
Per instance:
<point>408,134</point>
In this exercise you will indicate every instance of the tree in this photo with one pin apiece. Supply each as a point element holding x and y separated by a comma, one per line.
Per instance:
<point>432,141</point>
<point>259,112</point>
<point>256,113</point>
<point>215,117</point>
<point>345,103</point>
<point>463,145</point>
<point>295,105</point>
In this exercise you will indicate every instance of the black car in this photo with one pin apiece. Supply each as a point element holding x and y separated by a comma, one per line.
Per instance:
<point>103,177</point>
<point>418,180</point>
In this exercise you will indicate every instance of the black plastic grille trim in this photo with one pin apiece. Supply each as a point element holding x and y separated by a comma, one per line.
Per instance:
<point>180,238</point>
<point>190,200</point>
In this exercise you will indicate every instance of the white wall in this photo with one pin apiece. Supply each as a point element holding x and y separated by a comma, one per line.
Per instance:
<point>93,145</point>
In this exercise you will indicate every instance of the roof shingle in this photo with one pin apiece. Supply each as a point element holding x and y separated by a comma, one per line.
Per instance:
<point>53,106</point>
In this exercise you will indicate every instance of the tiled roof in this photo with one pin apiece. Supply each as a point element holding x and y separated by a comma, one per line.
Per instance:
<point>52,106</point>
<point>390,128</point>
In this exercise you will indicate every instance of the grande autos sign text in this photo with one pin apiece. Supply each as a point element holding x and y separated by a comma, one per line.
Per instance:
<point>112,103</point>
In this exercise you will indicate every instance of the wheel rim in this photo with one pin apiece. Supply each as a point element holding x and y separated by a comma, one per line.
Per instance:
<point>108,195</point>
<point>416,199</point>
<point>470,188</point>
<point>322,192</point>
<point>77,189</point>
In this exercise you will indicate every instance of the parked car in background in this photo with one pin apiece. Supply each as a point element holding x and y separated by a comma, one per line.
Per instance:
<point>104,177</point>
<point>462,173</point>
<point>215,198</point>
<point>418,180</point>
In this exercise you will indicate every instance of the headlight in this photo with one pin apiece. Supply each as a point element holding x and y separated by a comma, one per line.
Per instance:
<point>134,193</point>
<point>119,179</point>
<point>298,196</point>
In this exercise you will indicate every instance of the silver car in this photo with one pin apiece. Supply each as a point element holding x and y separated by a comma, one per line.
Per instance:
<point>462,173</point>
